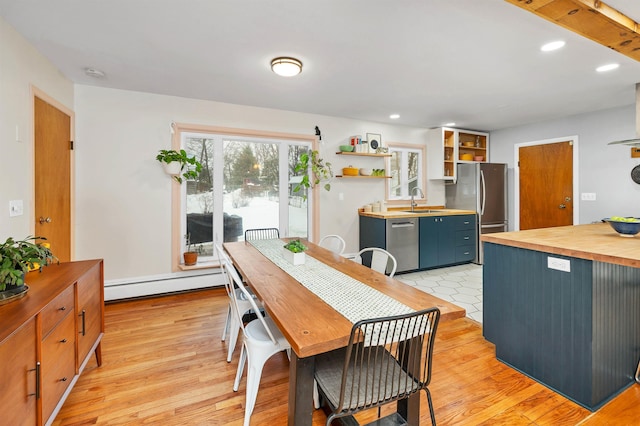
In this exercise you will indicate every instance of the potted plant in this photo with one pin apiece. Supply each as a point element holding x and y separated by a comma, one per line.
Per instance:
<point>294,252</point>
<point>190,256</point>
<point>178,164</point>
<point>19,257</point>
<point>320,171</point>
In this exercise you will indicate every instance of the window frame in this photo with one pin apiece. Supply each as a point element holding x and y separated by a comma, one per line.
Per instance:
<point>422,172</point>
<point>177,189</point>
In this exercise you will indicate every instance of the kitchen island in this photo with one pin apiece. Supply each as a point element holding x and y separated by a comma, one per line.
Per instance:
<point>562,305</point>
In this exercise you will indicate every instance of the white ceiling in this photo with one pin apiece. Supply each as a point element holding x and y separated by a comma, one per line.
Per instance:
<point>474,62</point>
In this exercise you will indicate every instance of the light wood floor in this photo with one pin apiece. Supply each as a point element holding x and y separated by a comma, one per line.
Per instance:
<point>164,363</point>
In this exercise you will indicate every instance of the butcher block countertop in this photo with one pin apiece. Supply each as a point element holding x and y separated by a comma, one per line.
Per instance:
<point>403,212</point>
<point>596,241</point>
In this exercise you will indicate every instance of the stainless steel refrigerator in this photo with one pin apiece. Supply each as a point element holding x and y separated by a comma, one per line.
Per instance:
<point>481,187</point>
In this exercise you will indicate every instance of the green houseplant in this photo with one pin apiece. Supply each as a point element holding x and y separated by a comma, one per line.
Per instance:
<point>320,171</point>
<point>294,252</point>
<point>179,164</point>
<point>18,257</point>
<point>190,256</point>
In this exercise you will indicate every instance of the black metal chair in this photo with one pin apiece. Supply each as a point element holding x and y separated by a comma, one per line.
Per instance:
<point>386,360</point>
<point>261,234</point>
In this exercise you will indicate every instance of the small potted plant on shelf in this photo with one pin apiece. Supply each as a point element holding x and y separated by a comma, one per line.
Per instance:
<point>190,256</point>
<point>178,164</point>
<point>320,171</point>
<point>294,252</point>
<point>16,259</point>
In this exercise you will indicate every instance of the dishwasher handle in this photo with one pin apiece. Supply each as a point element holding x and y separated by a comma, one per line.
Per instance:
<point>403,225</point>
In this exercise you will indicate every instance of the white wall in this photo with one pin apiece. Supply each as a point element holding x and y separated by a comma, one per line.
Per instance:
<point>123,198</point>
<point>603,169</point>
<point>20,67</point>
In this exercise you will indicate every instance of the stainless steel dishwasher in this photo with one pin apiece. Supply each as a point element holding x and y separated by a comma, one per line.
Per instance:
<point>403,240</point>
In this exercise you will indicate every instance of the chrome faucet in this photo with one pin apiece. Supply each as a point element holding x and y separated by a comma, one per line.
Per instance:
<point>413,202</point>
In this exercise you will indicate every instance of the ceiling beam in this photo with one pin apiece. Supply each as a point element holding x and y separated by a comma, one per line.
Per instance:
<point>592,19</point>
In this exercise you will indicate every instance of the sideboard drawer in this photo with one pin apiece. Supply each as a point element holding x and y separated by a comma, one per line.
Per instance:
<point>55,311</point>
<point>58,363</point>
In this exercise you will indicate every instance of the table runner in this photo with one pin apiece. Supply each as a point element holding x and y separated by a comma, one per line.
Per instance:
<point>351,298</point>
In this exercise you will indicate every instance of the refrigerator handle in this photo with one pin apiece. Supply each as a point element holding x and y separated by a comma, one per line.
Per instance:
<point>484,192</point>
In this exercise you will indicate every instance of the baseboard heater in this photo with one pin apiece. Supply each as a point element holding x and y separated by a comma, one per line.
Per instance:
<point>161,284</point>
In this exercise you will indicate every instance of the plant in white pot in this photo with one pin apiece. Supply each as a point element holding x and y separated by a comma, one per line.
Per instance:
<point>294,252</point>
<point>178,164</point>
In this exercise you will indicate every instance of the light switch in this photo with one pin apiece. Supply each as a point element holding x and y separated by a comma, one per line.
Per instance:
<point>588,196</point>
<point>15,208</point>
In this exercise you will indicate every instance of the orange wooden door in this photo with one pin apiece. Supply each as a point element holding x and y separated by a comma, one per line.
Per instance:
<point>546,185</point>
<point>53,177</point>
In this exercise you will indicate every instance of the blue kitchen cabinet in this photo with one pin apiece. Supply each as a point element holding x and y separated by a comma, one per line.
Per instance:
<point>447,240</point>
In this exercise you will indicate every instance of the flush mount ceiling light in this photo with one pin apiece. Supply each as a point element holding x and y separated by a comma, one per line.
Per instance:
<point>607,67</point>
<point>95,73</point>
<point>286,67</point>
<point>554,45</point>
<point>449,124</point>
<point>394,116</point>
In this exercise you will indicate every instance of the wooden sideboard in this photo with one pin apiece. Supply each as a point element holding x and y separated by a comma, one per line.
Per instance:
<point>47,337</point>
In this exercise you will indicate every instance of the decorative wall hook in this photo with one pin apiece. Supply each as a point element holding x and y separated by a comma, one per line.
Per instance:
<point>318,134</point>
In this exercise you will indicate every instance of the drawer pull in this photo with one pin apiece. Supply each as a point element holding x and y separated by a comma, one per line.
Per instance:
<point>466,253</point>
<point>467,237</point>
<point>62,309</point>
<point>37,370</point>
<point>83,332</point>
<point>63,341</point>
<point>466,222</point>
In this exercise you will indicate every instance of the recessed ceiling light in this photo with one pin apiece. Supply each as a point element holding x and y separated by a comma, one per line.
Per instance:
<point>394,116</point>
<point>554,45</point>
<point>451,124</point>
<point>95,73</point>
<point>286,67</point>
<point>607,67</point>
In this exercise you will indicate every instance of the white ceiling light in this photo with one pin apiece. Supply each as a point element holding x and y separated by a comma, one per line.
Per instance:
<point>607,67</point>
<point>450,124</point>
<point>95,73</point>
<point>394,116</point>
<point>286,67</point>
<point>554,45</point>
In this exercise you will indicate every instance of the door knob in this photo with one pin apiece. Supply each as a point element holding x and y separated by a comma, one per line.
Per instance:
<point>562,206</point>
<point>44,220</point>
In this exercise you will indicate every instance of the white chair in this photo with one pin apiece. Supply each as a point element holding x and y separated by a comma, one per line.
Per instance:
<point>380,259</point>
<point>233,322</point>
<point>261,340</point>
<point>333,242</point>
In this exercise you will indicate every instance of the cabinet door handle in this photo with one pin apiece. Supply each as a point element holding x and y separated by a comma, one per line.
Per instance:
<point>37,370</point>
<point>63,341</point>
<point>64,379</point>
<point>63,308</point>
<point>466,222</point>
<point>82,315</point>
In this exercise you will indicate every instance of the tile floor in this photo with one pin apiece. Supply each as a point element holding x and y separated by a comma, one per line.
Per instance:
<point>461,285</point>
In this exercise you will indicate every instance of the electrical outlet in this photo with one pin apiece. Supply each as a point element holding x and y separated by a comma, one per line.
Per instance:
<point>588,196</point>
<point>558,264</point>
<point>16,208</point>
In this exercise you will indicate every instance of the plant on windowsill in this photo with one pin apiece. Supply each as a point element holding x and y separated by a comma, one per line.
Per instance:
<point>16,259</point>
<point>320,171</point>
<point>178,164</point>
<point>294,252</point>
<point>190,256</point>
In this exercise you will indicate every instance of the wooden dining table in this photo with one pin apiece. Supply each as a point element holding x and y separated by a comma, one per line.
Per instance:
<point>312,326</point>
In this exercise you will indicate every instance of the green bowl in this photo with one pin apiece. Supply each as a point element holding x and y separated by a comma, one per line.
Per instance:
<point>346,148</point>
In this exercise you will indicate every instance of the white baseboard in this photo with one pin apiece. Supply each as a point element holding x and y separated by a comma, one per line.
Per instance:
<point>161,284</point>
